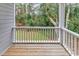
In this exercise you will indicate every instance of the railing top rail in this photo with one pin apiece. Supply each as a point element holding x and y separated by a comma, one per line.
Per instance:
<point>71,32</point>
<point>34,27</point>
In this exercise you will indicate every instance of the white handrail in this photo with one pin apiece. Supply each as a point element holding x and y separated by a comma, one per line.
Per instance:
<point>35,27</point>
<point>71,32</point>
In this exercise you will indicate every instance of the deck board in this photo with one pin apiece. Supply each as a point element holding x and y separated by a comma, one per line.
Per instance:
<point>36,50</point>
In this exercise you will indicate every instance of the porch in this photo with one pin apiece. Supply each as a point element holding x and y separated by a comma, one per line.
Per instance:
<point>28,41</point>
<point>24,41</point>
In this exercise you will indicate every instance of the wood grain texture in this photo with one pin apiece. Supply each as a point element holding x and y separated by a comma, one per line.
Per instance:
<point>36,50</point>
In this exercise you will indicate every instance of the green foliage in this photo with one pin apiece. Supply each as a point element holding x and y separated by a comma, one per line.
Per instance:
<point>35,14</point>
<point>73,22</point>
<point>74,25</point>
<point>21,18</point>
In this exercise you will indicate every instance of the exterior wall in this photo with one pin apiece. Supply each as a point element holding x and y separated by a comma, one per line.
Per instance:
<point>6,23</point>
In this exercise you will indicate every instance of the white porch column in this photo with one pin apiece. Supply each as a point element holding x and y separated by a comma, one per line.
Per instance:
<point>13,38</point>
<point>61,20</point>
<point>61,15</point>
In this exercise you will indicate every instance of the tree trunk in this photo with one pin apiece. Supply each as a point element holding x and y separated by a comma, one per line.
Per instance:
<point>67,16</point>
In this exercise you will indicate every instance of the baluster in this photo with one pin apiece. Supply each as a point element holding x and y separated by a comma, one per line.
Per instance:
<point>40,31</point>
<point>70,41</point>
<point>65,38</point>
<point>26,35</point>
<point>35,35</point>
<point>72,44</point>
<point>21,39</point>
<point>50,36</point>
<point>44,35</point>
<point>62,36</point>
<point>23,34</point>
<point>18,34</point>
<point>53,34</point>
<point>75,44</point>
<point>15,36</point>
<point>47,32</point>
<point>31,34</point>
<point>78,46</point>
<point>38,34</point>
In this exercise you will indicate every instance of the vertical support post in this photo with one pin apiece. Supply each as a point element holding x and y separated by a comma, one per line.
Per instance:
<point>14,26</point>
<point>61,20</point>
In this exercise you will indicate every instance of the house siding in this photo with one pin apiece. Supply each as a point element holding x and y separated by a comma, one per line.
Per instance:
<point>6,24</point>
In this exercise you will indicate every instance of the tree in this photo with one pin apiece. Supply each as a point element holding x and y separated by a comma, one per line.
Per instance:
<point>73,17</point>
<point>34,14</point>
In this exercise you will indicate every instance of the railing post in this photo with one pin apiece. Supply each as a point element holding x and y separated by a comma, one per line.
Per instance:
<point>13,35</point>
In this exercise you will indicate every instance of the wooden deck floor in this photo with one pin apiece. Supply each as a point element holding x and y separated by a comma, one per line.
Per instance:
<point>36,50</point>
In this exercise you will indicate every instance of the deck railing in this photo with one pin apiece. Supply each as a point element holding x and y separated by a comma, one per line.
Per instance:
<point>36,34</point>
<point>70,41</point>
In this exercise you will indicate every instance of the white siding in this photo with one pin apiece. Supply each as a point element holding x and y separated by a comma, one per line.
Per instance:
<point>6,23</point>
